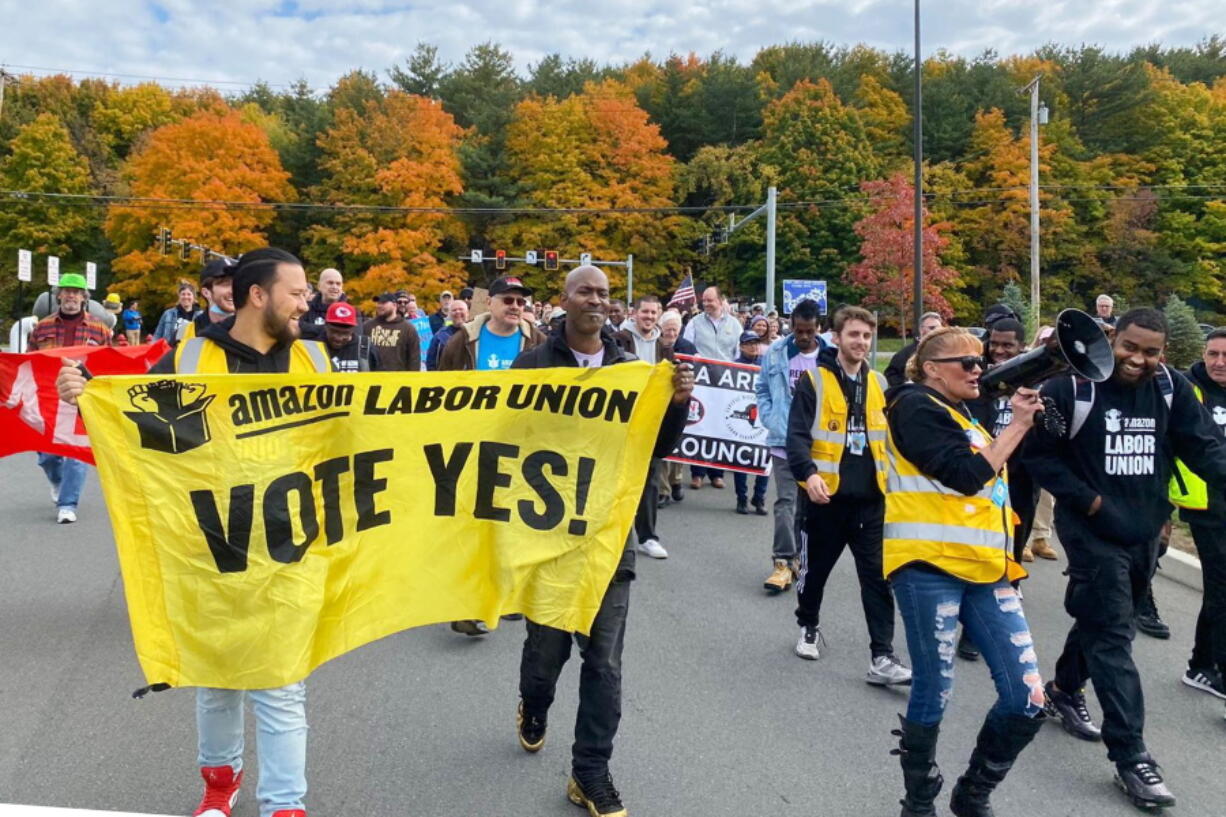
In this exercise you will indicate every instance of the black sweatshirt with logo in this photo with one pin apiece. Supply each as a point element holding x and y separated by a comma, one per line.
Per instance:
<point>1124,453</point>
<point>1214,401</point>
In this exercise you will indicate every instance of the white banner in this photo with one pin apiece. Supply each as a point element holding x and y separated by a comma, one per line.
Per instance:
<point>724,430</point>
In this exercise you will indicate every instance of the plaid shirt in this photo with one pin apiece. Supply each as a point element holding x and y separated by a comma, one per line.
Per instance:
<point>52,333</point>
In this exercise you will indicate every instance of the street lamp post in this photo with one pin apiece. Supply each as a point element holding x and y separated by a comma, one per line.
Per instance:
<point>918,121</point>
<point>1038,116</point>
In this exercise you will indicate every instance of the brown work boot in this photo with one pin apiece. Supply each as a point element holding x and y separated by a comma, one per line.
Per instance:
<point>1027,554</point>
<point>780,578</point>
<point>695,483</point>
<point>1043,549</point>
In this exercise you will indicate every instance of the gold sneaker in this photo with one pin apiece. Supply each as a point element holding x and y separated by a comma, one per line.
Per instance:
<point>602,800</point>
<point>781,577</point>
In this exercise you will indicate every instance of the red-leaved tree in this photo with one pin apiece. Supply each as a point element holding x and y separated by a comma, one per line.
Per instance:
<point>887,247</point>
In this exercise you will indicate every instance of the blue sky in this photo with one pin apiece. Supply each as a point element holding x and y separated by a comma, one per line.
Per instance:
<point>281,40</point>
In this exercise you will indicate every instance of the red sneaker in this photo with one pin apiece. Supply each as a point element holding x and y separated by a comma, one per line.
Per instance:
<point>220,791</point>
<point>289,812</point>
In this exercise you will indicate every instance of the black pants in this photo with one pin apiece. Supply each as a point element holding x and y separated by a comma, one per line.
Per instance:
<point>649,503</point>
<point>1024,498</point>
<point>1106,580</point>
<point>825,531</point>
<point>546,651</point>
<point>1209,649</point>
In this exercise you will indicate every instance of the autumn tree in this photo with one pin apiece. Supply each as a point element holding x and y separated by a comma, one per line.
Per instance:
<point>821,155</point>
<point>400,151</point>
<point>129,112</point>
<point>886,275</point>
<point>205,158</point>
<point>593,150</point>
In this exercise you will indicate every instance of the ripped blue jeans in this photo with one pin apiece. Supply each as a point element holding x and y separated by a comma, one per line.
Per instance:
<point>931,605</point>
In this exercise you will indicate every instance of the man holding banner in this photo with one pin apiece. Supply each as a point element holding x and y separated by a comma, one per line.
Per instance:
<point>579,342</point>
<point>72,325</point>
<point>270,289</point>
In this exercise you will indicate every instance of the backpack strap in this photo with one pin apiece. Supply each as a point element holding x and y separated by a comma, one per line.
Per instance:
<point>1166,384</point>
<point>1083,402</point>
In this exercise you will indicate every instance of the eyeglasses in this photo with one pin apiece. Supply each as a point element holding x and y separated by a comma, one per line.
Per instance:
<point>968,362</point>
<point>511,300</point>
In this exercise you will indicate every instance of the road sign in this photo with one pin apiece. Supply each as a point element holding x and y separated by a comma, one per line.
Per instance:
<point>796,291</point>
<point>585,258</point>
<point>53,270</point>
<point>91,275</point>
<point>25,265</point>
<point>530,257</point>
<point>476,256</point>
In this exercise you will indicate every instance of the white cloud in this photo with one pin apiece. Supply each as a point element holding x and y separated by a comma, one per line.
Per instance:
<point>281,40</point>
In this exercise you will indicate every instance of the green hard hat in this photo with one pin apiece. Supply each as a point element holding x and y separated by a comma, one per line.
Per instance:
<point>73,280</point>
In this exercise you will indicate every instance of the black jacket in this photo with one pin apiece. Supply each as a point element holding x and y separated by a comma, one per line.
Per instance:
<point>857,474</point>
<point>240,358</point>
<point>1124,453</point>
<point>1214,398</point>
<point>932,441</point>
<point>317,310</point>
<point>896,372</point>
<point>555,352</point>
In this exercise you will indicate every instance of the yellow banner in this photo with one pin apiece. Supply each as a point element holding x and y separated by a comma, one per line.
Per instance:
<point>269,523</point>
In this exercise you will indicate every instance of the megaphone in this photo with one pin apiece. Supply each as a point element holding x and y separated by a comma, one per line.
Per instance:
<point>1078,344</point>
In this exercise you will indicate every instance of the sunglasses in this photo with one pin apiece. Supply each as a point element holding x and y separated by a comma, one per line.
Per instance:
<point>968,362</point>
<point>511,300</point>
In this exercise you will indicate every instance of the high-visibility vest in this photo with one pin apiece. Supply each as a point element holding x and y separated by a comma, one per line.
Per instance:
<point>200,355</point>
<point>968,537</point>
<point>830,419</point>
<point>1188,490</point>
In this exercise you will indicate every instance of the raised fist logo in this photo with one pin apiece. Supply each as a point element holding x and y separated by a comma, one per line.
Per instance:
<point>170,415</point>
<point>1112,418</point>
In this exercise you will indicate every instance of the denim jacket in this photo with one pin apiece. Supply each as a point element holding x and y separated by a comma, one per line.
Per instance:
<point>774,395</point>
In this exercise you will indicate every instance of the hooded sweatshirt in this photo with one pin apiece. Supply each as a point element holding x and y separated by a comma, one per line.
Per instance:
<point>240,358</point>
<point>1124,453</point>
<point>1214,399</point>
<point>644,347</point>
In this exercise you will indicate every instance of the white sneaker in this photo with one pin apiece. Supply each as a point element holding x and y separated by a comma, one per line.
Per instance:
<point>55,495</point>
<point>886,670</point>
<point>807,644</point>
<point>653,548</point>
<point>66,516</point>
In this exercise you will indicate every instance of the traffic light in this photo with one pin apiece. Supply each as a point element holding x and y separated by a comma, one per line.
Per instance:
<point>551,260</point>
<point>185,250</point>
<point>164,241</point>
<point>500,259</point>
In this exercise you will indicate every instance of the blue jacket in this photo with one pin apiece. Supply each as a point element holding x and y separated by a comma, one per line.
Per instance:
<point>774,393</point>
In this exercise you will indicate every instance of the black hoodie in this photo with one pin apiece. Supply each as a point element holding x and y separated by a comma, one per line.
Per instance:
<point>240,358</point>
<point>1214,398</point>
<point>857,474</point>
<point>1124,453</point>
<point>932,441</point>
<point>556,352</point>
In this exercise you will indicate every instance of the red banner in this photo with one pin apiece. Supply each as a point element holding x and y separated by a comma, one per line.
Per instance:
<point>32,418</point>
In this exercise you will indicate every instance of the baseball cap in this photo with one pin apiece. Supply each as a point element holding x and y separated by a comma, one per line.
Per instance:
<point>508,284</point>
<point>750,337</point>
<point>466,293</point>
<point>217,268</point>
<point>386,298</point>
<point>73,280</point>
<point>113,298</point>
<point>446,293</point>
<point>997,312</point>
<point>341,314</point>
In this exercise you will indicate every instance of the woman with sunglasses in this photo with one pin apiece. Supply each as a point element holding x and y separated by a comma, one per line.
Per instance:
<point>948,554</point>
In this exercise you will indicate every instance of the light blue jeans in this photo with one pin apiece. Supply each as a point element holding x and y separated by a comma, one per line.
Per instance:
<point>281,735</point>
<point>931,605</point>
<point>66,475</point>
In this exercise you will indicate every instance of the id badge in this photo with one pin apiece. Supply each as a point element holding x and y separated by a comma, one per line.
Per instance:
<point>856,441</point>
<point>1000,493</point>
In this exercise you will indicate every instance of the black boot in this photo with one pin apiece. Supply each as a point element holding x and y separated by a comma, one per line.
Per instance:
<point>967,650</point>
<point>917,749</point>
<point>1000,741</point>
<point>742,506</point>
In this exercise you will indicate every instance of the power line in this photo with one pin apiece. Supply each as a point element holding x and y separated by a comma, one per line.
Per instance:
<point>146,77</point>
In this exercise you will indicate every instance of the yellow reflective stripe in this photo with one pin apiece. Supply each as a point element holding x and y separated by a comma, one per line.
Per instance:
<point>319,358</point>
<point>955,534</point>
<point>876,436</point>
<point>834,437</point>
<point>825,467</point>
<point>188,359</point>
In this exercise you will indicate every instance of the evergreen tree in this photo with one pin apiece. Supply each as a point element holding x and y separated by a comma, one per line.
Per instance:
<point>1184,341</point>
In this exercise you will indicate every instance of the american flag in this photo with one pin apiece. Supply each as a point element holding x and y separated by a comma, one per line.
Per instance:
<point>684,296</point>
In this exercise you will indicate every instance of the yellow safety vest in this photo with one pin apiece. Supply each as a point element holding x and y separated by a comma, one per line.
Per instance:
<point>189,331</point>
<point>829,429</point>
<point>1188,490</point>
<point>968,537</point>
<point>200,355</point>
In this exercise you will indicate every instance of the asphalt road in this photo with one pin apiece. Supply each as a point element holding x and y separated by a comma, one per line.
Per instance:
<point>720,718</point>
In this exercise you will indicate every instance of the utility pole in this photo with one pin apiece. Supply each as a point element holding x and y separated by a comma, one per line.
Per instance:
<point>918,120</point>
<point>1038,116</point>
<point>5,79</point>
<point>772,198</point>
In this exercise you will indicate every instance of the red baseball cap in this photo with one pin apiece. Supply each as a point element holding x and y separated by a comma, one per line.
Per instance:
<point>342,314</point>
